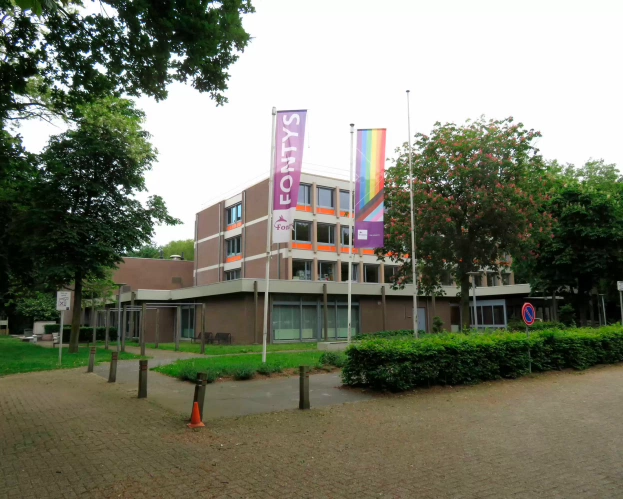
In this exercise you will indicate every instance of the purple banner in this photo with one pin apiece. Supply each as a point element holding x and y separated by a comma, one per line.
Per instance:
<point>290,138</point>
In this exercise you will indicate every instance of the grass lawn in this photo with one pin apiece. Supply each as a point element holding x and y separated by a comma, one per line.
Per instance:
<point>17,356</point>
<point>240,367</point>
<point>229,349</point>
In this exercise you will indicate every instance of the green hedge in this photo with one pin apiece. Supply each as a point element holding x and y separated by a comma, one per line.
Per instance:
<point>403,364</point>
<point>518,325</point>
<point>388,334</point>
<point>85,334</point>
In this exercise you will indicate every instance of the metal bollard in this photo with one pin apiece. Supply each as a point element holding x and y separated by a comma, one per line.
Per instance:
<point>91,360</point>
<point>304,387</point>
<point>142,379</point>
<point>200,392</point>
<point>112,377</point>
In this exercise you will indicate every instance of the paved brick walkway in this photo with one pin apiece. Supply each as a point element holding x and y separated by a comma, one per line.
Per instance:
<point>71,434</point>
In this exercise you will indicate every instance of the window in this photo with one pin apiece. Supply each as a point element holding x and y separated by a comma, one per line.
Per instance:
<point>477,279</point>
<point>302,270</point>
<point>326,271</point>
<point>325,197</point>
<point>304,194</point>
<point>389,272</point>
<point>371,273</point>
<point>232,275</point>
<point>326,234</point>
<point>446,278</point>
<point>233,246</point>
<point>506,278</point>
<point>345,272</point>
<point>488,314</point>
<point>234,214</point>
<point>493,279</point>
<point>301,231</point>
<point>344,201</point>
<point>345,234</point>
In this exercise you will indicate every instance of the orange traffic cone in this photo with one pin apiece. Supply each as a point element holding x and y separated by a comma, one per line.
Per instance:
<point>195,419</point>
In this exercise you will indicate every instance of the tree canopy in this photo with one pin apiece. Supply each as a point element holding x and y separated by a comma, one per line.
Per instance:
<point>478,192</point>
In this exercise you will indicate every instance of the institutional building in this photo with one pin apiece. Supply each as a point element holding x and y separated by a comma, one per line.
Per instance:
<point>308,277</point>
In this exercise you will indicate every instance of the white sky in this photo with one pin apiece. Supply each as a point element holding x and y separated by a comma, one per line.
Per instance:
<point>555,65</point>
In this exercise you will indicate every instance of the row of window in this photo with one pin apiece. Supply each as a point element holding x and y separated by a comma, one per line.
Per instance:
<point>326,197</point>
<point>494,279</point>
<point>325,233</point>
<point>302,271</point>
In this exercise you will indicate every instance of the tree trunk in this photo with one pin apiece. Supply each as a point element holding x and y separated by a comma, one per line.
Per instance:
<point>434,305</point>
<point>75,317</point>
<point>554,313</point>
<point>465,302</point>
<point>591,310</point>
<point>582,312</point>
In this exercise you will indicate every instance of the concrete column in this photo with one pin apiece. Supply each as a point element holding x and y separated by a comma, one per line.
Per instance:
<point>178,329</point>
<point>107,326</point>
<point>124,318</point>
<point>314,197</point>
<point>157,339</point>
<point>203,321</point>
<point>314,235</point>
<point>326,311</point>
<point>315,269</point>
<point>382,273</point>
<point>289,266</point>
<point>256,309</point>
<point>360,270</point>
<point>384,308</point>
<point>338,237</point>
<point>142,330</point>
<point>339,271</point>
<point>132,297</point>
<point>304,387</point>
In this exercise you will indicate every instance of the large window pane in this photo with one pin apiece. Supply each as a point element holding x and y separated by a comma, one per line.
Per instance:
<point>498,314</point>
<point>389,272</point>
<point>506,278</point>
<point>326,271</point>
<point>287,322</point>
<point>302,270</point>
<point>301,232</point>
<point>325,197</point>
<point>233,246</point>
<point>371,273</point>
<point>355,275</point>
<point>345,234</point>
<point>487,313</point>
<point>310,322</point>
<point>304,194</point>
<point>234,214</point>
<point>326,234</point>
<point>342,321</point>
<point>331,309</point>
<point>344,201</point>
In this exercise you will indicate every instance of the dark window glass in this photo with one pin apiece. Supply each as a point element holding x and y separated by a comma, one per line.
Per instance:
<point>344,201</point>
<point>304,194</point>
<point>345,231</point>
<point>326,234</point>
<point>389,272</point>
<point>371,273</point>
<point>233,246</point>
<point>355,275</point>
<point>301,270</point>
<point>326,271</point>
<point>234,214</point>
<point>301,231</point>
<point>498,314</point>
<point>325,197</point>
<point>231,275</point>
<point>506,279</point>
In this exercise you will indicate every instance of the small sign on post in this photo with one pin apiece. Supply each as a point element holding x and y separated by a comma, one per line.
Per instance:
<point>63,303</point>
<point>528,314</point>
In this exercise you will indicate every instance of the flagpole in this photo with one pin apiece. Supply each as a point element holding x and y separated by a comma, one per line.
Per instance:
<point>350,232</point>
<point>269,226</point>
<point>413,258</point>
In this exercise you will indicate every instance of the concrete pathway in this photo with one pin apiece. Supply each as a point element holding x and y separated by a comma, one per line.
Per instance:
<point>228,398</point>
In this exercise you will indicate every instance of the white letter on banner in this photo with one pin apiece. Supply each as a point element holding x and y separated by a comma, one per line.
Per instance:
<point>284,150</point>
<point>289,134</point>
<point>288,121</point>
<point>287,168</point>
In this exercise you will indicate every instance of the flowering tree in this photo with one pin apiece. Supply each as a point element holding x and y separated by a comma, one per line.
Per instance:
<point>478,193</point>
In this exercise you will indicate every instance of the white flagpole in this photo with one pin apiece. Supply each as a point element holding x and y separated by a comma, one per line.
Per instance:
<point>269,231</point>
<point>413,259</point>
<point>350,232</point>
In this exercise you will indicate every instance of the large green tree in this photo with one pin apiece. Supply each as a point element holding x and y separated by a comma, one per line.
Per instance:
<point>585,252</point>
<point>86,211</point>
<point>478,193</point>
<point>56,55</point>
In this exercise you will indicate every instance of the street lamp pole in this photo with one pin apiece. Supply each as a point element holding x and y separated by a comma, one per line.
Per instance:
<point>474,274</point>
<point>119,329</point>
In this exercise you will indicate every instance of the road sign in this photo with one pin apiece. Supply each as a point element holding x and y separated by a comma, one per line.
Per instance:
<point>620,285</point>
<point>528,314</point>
<point>63,300</point>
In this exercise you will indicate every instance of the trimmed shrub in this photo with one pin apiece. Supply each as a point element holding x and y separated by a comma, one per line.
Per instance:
<point>518,325</point>
<point>85,334</point>
<point>268,369</point>
<point>403,364</point>
<point>243,373</point>
<point>332,359</point>
<point>387,334</point>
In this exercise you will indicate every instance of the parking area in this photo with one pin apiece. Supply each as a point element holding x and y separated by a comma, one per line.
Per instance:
<point>71,434</point>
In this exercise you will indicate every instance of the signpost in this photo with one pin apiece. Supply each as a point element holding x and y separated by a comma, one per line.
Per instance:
<point>63,300</point>
<point>620,288</point>
<point>528,314</point>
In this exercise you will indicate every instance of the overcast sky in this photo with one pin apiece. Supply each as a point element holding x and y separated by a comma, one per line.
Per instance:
<point>554,65</point>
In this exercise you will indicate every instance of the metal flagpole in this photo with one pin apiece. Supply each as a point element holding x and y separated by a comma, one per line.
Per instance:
<point>350,232</point>
<point>413,259</point>
<point>60,339</point>
<point>269,227</point>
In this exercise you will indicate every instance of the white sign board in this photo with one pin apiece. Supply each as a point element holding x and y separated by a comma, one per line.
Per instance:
<point>63,299</point>
<point>620,285</point>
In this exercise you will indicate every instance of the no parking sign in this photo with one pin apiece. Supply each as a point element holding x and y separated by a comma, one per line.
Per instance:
<point>528,314</point>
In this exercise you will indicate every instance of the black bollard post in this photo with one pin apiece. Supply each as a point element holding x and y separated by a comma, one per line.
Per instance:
<point>142,379</point>
<point>203,328</point>
<point>304,387</point>
<point>91,360</point>
<point>200,392</point>
<point>112,377</point>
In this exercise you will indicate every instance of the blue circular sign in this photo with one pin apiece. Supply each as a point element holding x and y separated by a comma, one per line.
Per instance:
<point>528,313</point>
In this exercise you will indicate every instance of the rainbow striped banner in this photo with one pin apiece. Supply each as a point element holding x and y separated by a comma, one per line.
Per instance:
<point>369,188</point>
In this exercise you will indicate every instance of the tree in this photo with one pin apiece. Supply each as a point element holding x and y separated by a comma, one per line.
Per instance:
<point>585,252</point>
<point>150,250</point>
<point>478,190</point>
<point>86,211</point>
<point>55,55</point>
<point>184,248</point>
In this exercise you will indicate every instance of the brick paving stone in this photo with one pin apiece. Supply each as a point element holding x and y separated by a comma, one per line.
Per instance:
<point>68,434</point>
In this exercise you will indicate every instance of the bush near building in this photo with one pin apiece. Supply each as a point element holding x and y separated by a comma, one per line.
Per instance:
<point>85,333</point>
<point>403,364</point>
